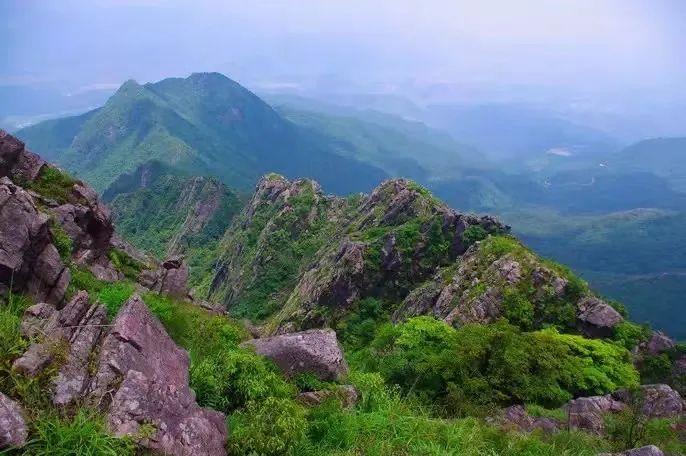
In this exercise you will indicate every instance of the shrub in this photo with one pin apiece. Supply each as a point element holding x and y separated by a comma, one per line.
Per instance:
<point>629,334</point>
<point>473,234</point>
<point>518,309</point>
<point>271,427</point>
<point>85,434</point>
<point>230,379</point>
<point>471,369</point>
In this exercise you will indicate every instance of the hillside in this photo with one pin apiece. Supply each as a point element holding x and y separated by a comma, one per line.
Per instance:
<point>454,337</point>
<point>205,124</point>
<point>664,157</point>
<point>167,214</point>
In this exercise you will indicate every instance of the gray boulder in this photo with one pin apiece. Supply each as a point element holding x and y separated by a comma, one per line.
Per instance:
<point>661,401</point>
<point>586,413</point>
<point>596,318</point>
<point>516,417</point>
<point>13,430</point>
<point>315,351</point>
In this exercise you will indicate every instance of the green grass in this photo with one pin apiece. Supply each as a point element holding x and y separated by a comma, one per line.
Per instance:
<point>82,435</point>
<point>54,184</point>
<point>125,264</point>
<point>62,241</point>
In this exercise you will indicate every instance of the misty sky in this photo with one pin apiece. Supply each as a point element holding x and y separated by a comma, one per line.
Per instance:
<point>545,48</point>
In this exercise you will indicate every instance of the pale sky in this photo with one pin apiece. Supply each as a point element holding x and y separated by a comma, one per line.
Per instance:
<point>565,46</point>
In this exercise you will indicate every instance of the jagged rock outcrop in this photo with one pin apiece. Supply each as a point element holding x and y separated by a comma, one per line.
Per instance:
<point>596,318</point>
<point>13,430</point>
<point>481,285</point>
<point>142,378</point>
<point>140,375</point>
<point>66,337</point>
<point>315,351</point>
<point>516,418</point>
<point>29,260</point>
<point>171,277</point>
<point>70,203</point>
<point>650,450</point>
<point>19,164</point>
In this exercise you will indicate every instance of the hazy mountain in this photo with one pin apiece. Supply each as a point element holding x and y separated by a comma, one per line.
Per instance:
<point>664,157</point>
<point>205,124</point>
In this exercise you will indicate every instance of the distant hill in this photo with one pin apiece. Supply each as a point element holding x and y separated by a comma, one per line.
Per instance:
<point>205,124</point>
<point>664,157</point>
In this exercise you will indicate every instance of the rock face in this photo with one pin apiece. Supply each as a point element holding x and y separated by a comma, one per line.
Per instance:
<point>170,278</point>
<point>140,376</point>
<point>74,206</point>
<point>13,431</point>
<point>315,351</point>
<point>596,318</point>
<point>146,376</point>
<point>28,259</point>
<point>68,337</point>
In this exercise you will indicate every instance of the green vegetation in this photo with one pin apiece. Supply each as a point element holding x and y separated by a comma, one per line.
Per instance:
<point>62,241</point>
<point>205,125</point>
<point>83,434</point>
<point>53,184</point>
<point>174,214</point>
<point>480,366</point>
<point>274,248</point>
<point>473,234</point>
<point>125,264</point>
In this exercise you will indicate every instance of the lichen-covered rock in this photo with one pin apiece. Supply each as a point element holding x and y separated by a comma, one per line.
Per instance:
<point>314,351</point>
<point>658,343</point>
<point>13,430</point>
<point>28,259</point>
<point>596,318</point>
<point>587,413</point>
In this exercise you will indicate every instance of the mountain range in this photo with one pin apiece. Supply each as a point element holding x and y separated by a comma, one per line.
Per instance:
<point>584,208</point>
